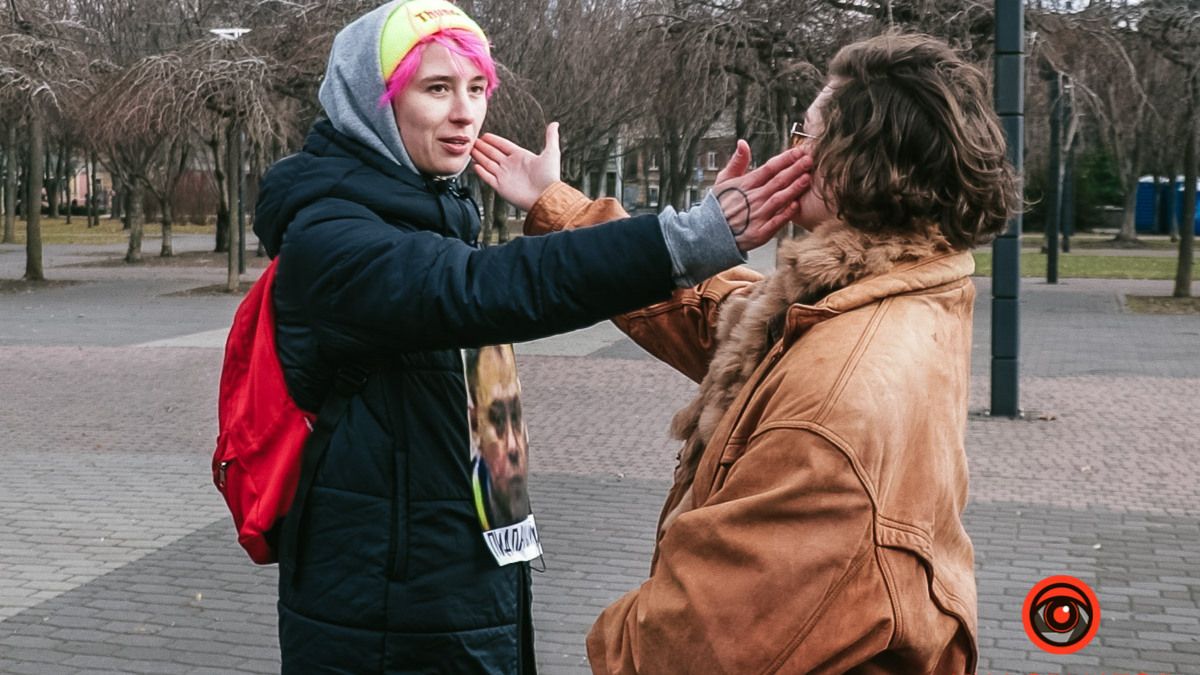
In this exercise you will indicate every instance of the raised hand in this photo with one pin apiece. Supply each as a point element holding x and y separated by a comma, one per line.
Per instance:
<point>518,175</point>
<point>759,203</point>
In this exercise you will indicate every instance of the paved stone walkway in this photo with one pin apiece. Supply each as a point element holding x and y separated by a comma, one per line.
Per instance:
<point>116,554</point>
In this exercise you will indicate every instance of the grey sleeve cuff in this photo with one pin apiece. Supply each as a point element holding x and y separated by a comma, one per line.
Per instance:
<point>699,241</point>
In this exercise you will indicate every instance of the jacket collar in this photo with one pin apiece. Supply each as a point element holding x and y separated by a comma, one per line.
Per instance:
<point>909,277</point>
<point>833,270</point>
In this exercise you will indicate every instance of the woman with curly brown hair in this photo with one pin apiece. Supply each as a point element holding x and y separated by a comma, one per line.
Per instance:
<point>815,520</point>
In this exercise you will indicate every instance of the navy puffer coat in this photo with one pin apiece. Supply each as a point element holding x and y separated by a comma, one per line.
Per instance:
<point>378,267</point>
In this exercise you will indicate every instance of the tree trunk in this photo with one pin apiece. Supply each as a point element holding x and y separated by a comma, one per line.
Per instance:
<point>219,159</point>
<point>1068,200</point>
<point>1168,209</point>
<point>53,185</point>
<point>232,158</point>
<point>1128,223</point>
<point>135,222</point>
<point>256,170</point>
<point>5,169</point>
<point>610,148</point>
<point>168,248</point>
<point>121,202</point>
<point>1053,178</point>
<point>70,185</point>
<point>677,170</point>
<point>93,199</point>
<point>10,186</point>
<point>1130,172</point>
<point>1187,229</point>
<point>33,199</point>
<point>485,233</point>
<point>670,192</point>
<point>784,105</point>
<point>239,179</point>
<point>741,127</point>
<point>500,218</point>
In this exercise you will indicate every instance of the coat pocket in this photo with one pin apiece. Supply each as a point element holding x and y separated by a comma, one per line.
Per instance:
<point>398,525</point>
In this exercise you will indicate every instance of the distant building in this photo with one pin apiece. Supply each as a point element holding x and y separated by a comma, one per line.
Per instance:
<point>102,182</point>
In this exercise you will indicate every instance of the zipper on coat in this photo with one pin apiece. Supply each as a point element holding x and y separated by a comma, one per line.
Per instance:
<point>393,547</point>
<point>394,571</point>
<point>526,659</point>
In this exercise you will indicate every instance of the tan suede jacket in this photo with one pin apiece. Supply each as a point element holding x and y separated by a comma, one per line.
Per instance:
<point>822,530</point>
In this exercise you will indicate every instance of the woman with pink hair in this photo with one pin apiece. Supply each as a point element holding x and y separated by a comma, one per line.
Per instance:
<point>395,558</point>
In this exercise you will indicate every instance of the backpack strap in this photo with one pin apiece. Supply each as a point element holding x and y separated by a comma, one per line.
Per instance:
<point>348,382</point>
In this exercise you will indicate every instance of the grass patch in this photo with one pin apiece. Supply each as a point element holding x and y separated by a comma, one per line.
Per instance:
<point>1089,242</point>
<point>1150,304</point>
<point>57,231</point>
<point>1090,266</point>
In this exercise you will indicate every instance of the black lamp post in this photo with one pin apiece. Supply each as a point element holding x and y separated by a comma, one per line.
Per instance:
<point>1006,250</point>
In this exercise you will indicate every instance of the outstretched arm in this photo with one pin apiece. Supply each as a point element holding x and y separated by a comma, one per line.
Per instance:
<point>755,204</point>
<point>681,331</point>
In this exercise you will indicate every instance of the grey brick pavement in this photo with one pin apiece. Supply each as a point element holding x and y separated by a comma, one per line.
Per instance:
<point>116,556</point>
<point>1079,327</point>
<point>196,603</point>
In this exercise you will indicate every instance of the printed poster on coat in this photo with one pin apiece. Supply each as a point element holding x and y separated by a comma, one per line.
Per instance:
<point>500,454</point>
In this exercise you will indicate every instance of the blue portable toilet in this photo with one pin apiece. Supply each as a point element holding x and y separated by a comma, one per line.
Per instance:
<point>1155,202</point>
<point>1179,206</point>
<point>1145,214</point>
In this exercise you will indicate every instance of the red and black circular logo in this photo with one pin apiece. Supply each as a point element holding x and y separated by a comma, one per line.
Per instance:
<point>1061,614</point>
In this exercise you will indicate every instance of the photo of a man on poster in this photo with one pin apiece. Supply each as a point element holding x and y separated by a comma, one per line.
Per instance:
<point>499,442</point>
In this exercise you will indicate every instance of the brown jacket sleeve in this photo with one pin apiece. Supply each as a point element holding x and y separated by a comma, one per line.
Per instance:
<point>775,573</point>
<point>680,331</point>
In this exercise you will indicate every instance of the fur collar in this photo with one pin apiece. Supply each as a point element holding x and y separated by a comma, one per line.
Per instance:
<point>832,257</point>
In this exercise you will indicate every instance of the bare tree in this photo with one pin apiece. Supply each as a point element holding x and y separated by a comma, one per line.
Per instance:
<point>1173,28</point>
<point>157,104</point>
<point>1100,50</point>
<point>164,177</point>
<point>689,90</point>
<point>10,183</point>
<point>573,62</point>
<point>39,56</point>
<point>33,200</point>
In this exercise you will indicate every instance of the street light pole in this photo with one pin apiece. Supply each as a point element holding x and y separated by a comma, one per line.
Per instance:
<point>232,159</point>
<point>1067,212</point>
<point>241,198</point>
<point>1054,175</point>
<point>1006,250</point>
<point>235,182</point>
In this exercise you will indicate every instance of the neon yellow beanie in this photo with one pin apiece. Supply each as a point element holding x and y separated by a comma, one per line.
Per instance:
<point>411,21</point>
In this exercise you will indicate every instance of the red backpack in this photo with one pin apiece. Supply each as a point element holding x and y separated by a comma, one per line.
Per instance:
<point>264,437</point>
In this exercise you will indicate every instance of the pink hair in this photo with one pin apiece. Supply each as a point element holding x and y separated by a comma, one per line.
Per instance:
<point>460,42</point>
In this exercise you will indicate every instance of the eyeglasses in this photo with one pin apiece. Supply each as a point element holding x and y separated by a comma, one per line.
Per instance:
<point>798,134</point>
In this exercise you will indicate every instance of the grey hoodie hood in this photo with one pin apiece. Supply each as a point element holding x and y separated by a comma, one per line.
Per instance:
<point>354,84</point>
